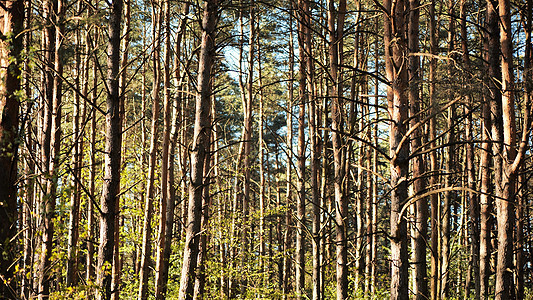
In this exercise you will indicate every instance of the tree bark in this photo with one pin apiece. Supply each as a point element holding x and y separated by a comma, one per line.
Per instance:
<point>303,9</point>
<point>492,125</point>
<point>146,256</point>
<point>434,179</point>
<point>288,169</point>
<point>395,58</point>
<point>199,149</point>
<point>12,16</point>
<point>49,203</point>
<point>112,156</point>
<point>339,152</point>
<point>419,182</point>
<point>449,166</point>
<point>505,202</point>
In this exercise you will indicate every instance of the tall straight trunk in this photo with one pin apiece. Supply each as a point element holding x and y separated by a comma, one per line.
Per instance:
<point>10,62</point>
<point>238,182</point>
<point>303,26</point>
<point>92,178</point>
<point>336,36</point>
<point>512,158</point>
<point>180,101</point>
<point>522,181</point>
<point>48,40</point>
<point>315,158</point>
<point>434,179</point>
<point>74,197</point>
<point>262,180</point>
<point>449,166</point>
<point>117,260</point>
<point>53,164</point>
<point>150,184</point>
<point>471,177</point>
<point>492,125</point>
<point>167,166</point>
<point>419,182</point>
<point>395,57</point>
<point>200,149</point>
<point>77,142</point>
<point>520,261</point>
<point>200,279</point>
<point>28,205</point>
<point>112,156</point>
<point>375,171</point>
<point>247,162</point>
<point>485,202</point>
<point>288,168</point>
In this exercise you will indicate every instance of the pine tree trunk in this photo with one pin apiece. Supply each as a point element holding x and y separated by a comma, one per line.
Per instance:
<point>167,170</point>
<point>419,183</point>
<point>10,63</point>
<point>303,10</point>
<point>492,125</point>
<point>449,166</point>
<point>199,149</point>
<point>434,179</point>
<point>49,203</point>
<point>505,203</point>
<point>341,203</point>
<point>288,169</point>
<point>146,256</point>
<point>395,56</point>
<point>112,156</point>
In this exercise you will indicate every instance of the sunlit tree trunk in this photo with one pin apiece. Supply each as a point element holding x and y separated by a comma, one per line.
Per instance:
<point>303,27</point>
<point>433,180</point>
<point>521,261</point>
<point>49,204</point>
<point>506,201</point>
<point>150,184</point>
<point>449,166</point>
<point>395,58</point>
<point>11,27</point>
<point>112,156</point>
<point>492,125</point>
<point>200,279</point>
<point>75,169</point>
<point>418,165</point>
<point>91,224</point>
<point>199,148</point>
<point>287,238</point>
<point>336,35</point>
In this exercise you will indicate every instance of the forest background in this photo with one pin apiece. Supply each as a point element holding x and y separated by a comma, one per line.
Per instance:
<point>265,149</point>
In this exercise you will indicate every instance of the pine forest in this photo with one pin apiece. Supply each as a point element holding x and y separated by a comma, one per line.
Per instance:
<point>266,149</point>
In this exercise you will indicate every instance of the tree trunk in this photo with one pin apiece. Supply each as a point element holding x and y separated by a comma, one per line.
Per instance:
<point>395,57</point>
<point>315,157</point>
<point>200,279</point>
<point>167,168</point>
<point>199,149</point>
<point>92,178</point>
<point>449,166</point>
<point>10,63</point>
<point>419,182</point>
<point>522,181</point>
<point>303,9</point>
<point>288,169</point>
<point>336,36</point>
<point>492,125</point>
<point>434,179</point>
<point>505,202</point>
<point>55,139</point>
<point>112,156</point>
<point>146,256</point>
